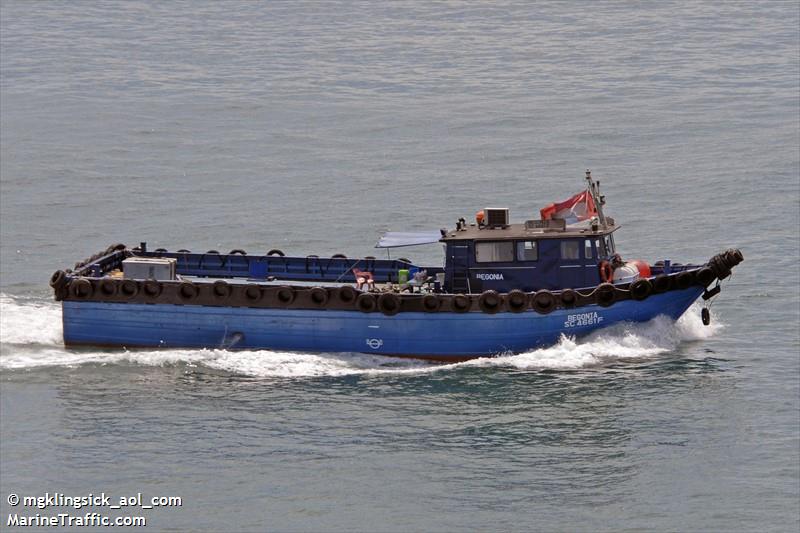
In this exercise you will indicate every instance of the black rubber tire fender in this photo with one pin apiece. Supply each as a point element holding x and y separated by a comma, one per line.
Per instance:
<point>252,293</point>
<point>152,288</point>
<point>188,291</point>
<point>107,287</point>
<point>338,256</point>
<point>543,301</point>
<point>115,248</point>
<point>684,280</point>
<point>347,294</point>
<point>569,298</point>
<point>460,303</point>
<point>517,301</point>
<point>641,289</point>
<point>128,288</point>
<point>661,283</point>
<point>605,294</point>
<point>490,302</point>
<point>277,252</point>
<point>221,289</point>
<point>389,303</point>
<point>366,302</point>
<point>58,279</point>
<point>318,296</point>
<point>431,303</point>
<point>705,276</point>
<point>81,288</point>
<point>237,251</point>
<point>285,295</point>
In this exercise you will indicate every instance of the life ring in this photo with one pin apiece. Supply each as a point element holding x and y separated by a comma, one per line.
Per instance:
<point>285,295</point>
<point>319,296</point>
<point>58,279</point>
<point>221,289</point>
<point>606,272</point>
<point>252,293</point>
<point>366,302</point>
<point>347,294</point>
<point>705,276</point>
<point>275,251</point>
<point>517,301</point>
<point>460,303</point>
<point>569,298</point>
<point>431,303</point>
<point>490,302</point>
<point>188,291</point>
<point>641,289</point>
<point>684,280</point>
<point>237,251</point>
<point>543,301</point>
<point>606,294</point>
<point>81,288</point>
<point>661,283</point>
<point>152,288</point>
<point>389,303</point>
<point>128,288</point>
<point>108,287</point>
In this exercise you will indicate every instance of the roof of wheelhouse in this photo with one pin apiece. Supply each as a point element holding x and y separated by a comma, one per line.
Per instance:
<point>530,230</point>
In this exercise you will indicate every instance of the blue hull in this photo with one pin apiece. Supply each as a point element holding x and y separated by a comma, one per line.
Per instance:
<point>444,336</point>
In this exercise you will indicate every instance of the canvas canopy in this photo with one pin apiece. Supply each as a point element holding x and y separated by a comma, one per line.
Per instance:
<point>398,239</point>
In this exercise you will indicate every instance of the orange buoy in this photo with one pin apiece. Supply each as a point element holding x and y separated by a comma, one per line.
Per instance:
<point>479,217</point>
<point>642,267</point>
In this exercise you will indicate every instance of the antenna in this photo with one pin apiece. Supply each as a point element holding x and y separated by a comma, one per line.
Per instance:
<point>594,190</point>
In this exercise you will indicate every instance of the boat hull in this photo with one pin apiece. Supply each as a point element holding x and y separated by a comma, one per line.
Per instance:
<point>440,336</point>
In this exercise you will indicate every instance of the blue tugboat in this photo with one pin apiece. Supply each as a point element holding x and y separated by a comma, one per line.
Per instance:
<point>503,288</point>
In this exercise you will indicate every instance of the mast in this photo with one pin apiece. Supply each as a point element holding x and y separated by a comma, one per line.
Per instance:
<point>593,187</point>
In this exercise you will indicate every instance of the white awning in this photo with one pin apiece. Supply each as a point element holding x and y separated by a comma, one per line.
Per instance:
<point>397,239</point>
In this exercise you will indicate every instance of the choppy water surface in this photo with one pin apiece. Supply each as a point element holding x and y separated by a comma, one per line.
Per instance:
<point>312,128</point>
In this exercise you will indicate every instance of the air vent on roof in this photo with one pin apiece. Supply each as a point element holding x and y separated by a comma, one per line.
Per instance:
<point>496,216</point>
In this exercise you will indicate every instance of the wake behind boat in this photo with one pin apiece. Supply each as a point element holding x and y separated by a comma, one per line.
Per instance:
<point>503,287</point>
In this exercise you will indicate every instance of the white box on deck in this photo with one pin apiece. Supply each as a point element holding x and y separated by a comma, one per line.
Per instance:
<point>157,268</point>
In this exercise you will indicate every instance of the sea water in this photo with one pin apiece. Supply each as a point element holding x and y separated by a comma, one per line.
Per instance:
<point>313,128</point>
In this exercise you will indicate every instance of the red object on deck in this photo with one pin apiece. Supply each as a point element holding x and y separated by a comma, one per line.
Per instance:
<point>363,278</point>
<point>642,267</point>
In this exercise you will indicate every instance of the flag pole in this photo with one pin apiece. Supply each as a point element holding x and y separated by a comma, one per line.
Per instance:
<point>594,190</point>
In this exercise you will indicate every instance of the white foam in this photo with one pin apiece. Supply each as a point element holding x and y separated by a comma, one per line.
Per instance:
<point>29,321</point>
<point>30,336</point>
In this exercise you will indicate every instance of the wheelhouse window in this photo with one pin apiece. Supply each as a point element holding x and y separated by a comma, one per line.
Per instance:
<point>527,251</point>
<point>494,252</point>
<point>587,249</point>
<point>570,250</point>
<point>608,240</point>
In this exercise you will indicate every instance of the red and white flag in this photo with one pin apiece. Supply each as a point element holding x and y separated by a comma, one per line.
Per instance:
<point>578,208</point>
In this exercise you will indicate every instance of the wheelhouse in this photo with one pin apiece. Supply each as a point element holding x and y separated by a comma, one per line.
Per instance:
<point>530,256</point>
